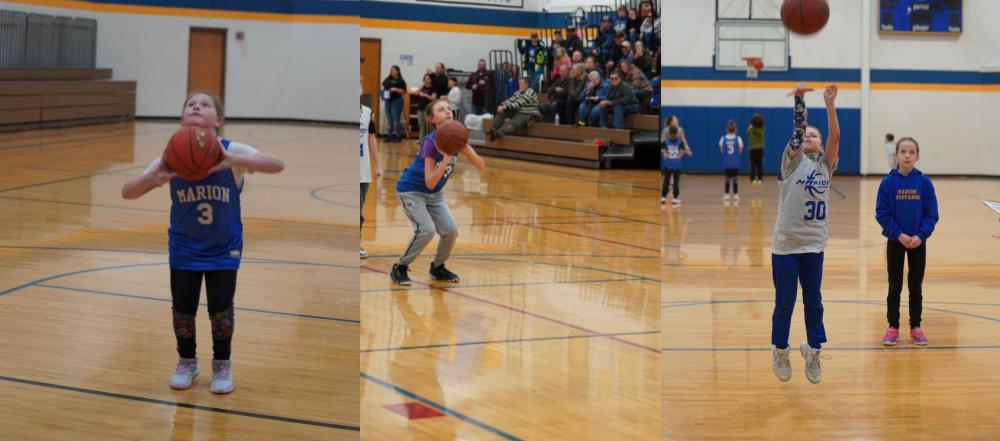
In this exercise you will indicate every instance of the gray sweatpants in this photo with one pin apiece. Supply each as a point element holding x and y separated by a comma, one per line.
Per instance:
<point>429,213</point>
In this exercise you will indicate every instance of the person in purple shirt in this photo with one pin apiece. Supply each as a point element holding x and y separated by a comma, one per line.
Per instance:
<point>419,190</point>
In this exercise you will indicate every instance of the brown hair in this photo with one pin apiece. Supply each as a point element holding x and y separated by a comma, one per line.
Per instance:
<point>220,109</point>
<point>430,111</point>
<point>757,120</point>
<point>905,139</point>
<point>731,127</point>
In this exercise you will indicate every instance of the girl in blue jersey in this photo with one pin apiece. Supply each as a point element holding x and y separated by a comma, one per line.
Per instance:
<point>671,153</point>
<point>731,148</point>
<point>205,240</point>
<point>419,190</point>
<point>907,210</point>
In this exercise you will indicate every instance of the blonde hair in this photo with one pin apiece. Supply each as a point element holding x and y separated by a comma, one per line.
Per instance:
<point>220,108</point>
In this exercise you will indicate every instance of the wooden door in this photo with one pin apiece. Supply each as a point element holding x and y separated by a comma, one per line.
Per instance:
<point>371,68</point>
<point>207,60</point>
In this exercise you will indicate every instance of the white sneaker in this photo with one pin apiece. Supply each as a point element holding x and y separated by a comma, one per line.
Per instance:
<point>676,201</point>
<point>663,200</point>
<point>184,374</point>
<point>222,376</point>
<point>364,254</point>
<point>726,197</point>
<point>813,371</point>
<point>736,197</point>
<point>780,364</point>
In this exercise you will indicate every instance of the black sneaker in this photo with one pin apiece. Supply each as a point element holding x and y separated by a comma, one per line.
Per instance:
<point>441,274</point>
<point>398,275</point>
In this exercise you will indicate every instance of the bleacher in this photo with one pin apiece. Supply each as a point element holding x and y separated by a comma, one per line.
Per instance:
<point>48,76</point>
<point>636,144</point>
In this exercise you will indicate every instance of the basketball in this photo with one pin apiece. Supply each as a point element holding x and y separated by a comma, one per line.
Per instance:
<point>452,136</point>
<point>758,64</point>
<point>191,152</point>
<point>805,17</point>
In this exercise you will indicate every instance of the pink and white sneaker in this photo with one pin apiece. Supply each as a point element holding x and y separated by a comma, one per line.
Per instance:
<point>891,337</point>
<point>184,374</point>
<point>222,376</point>
<point>918,336</point>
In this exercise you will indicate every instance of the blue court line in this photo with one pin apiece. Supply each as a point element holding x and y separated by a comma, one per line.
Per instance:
<point>497,285</point>
<point>180,404</point>
<point>517,340</point>
<point>158,299</point>
<point>440,408</point>
<point>313,192</point>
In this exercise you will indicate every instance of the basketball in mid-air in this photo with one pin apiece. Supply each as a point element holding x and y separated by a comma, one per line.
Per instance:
<point>805,17</point>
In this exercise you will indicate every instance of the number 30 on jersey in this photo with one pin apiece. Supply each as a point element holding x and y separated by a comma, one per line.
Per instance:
<point>815,210</point>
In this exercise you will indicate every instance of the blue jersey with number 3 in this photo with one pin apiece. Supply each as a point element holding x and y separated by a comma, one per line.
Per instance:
<point>206,231</point>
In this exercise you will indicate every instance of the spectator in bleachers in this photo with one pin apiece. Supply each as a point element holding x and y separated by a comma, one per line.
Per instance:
<point>511,85</point>
<point>577,57</point>
<point>620,99</point>
<point>621,20</point>
<point>516,113</point>
<point>646,32</point>
<point>396,86</point>
<point>574,86</point>
<point>656,34</point>
<point>425,95</point>
<point>604,45</point>
<point>591,94</point>
<point>642,59</point>
<point>646,9</point>
<point>560,60</point>
<point>558,95</point>
<point>534,57</point>
<point>557,41</point>
<point>479,83</point>
<point>626,52</point>
<point>636,79</point>
<point>573,43</point>
<point>632,26</point>
<point>591,66</point>
<point>616,52</point>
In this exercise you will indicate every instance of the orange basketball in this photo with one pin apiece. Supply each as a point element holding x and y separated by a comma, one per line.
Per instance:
<point>805,17</point>
<point>191,152</point>
<point>451,137</point>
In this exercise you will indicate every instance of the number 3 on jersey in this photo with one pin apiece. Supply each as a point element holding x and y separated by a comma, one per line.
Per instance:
<point>815,210</point>
<point>206,213</point>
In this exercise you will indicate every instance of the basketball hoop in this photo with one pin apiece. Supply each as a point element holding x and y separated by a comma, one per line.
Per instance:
<point>754,66</point>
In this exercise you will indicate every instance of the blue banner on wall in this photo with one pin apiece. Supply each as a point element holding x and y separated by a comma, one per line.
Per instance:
<point>920,16</point>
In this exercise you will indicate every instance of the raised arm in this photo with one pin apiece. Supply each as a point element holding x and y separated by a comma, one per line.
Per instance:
<point>154,176</point>
<point>800,118</point>
<point>833,140</point>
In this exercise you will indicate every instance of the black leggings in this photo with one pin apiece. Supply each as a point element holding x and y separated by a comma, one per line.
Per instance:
<point>731,174</point>
<point>894,253</point>
<point>756,164</point>
<point>185,290</point>
<point>676,177</point>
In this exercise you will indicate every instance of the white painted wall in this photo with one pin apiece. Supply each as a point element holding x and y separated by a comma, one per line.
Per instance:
<point>280,70</point>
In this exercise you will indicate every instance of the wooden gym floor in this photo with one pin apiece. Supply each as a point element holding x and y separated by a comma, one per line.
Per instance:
<point>717,301</point>
<point>86,346</point>
<point>551,334</point>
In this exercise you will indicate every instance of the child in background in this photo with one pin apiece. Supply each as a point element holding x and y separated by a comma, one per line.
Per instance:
<point>673,150</point>
<point>755,134</point>
<point>731,148</point>
<point>454,97</point>
<point>906,209</point>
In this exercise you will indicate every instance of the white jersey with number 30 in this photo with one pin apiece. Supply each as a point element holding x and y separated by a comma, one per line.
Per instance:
<point>802,204</point>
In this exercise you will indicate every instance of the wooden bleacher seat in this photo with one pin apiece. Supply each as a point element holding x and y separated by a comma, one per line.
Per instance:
<point>42,98</point>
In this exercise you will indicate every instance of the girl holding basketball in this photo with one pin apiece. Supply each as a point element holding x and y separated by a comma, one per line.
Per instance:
<point>419,189</point>
<point>800,233</point>
<point>906,209</point>
<point>205,239</point>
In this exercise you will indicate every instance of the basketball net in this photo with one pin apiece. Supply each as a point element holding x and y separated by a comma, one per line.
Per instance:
<point>752,66</point>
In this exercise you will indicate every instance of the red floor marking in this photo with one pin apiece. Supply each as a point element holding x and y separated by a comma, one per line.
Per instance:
<point>413,410</point>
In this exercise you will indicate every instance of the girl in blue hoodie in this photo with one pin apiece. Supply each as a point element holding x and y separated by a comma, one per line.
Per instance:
<point>907,210</point>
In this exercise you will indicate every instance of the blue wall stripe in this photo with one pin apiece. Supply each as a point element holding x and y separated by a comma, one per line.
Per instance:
<point>308,7</point>
<point>461,15</point>
<point>840,75</point>
<point>703,126</point>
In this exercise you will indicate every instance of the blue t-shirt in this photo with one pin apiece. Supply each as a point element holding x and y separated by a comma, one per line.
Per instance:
<point>731,146</point>
<point>206,231</point>
<point>674,149</point>
<point>413,177</point>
